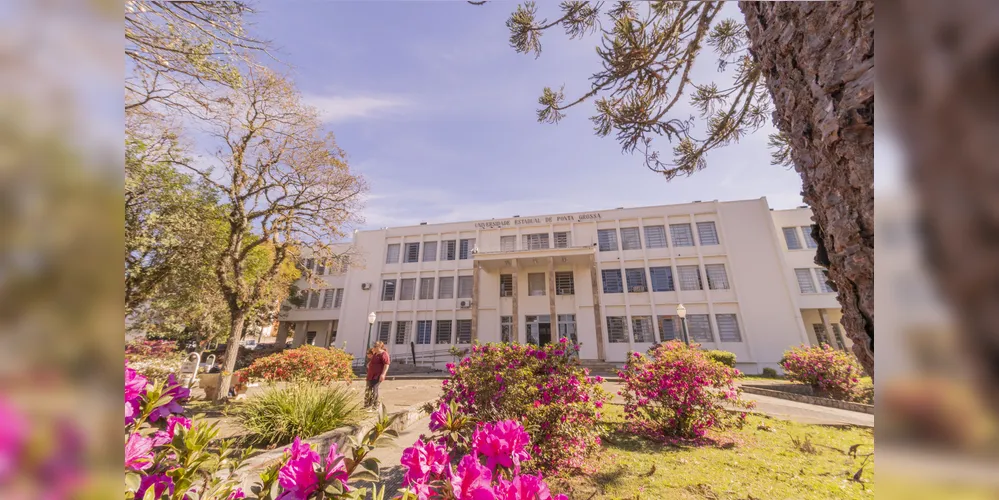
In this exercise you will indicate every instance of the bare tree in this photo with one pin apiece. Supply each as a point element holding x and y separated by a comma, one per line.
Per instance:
<point>285,184</point>
<point>808,65</point>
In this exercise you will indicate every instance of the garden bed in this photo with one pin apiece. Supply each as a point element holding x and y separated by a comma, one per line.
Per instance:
<point>804,394</point>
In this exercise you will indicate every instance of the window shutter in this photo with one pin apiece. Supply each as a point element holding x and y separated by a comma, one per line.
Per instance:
<point>446,288</point>
<point>464,331</point>
<point>607,240</point>
<point>791,238</point>
<point>407,289</point>
<point>564,283</point>
<point>464,287</point>
<point>612,280</point>
<point>635,279</point>
<point>616,329</point>
<point>717,277</point>
<point>690,278</point>
<point>655,237</point>
<point>630,238</point>
<point>682,235</point>
<point>662,279</point>
<point>805,283</point>
<point>699,327</point>
<point>506,285</point>
<point>707,233</point>
<point>728,328</point>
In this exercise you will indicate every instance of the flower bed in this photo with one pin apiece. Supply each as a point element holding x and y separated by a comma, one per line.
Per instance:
<point>830,372</point>
<point>305,364</point>
<point>542,387</point>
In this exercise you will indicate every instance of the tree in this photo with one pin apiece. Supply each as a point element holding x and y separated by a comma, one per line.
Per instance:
<point>284,183</point>
<point>807,64</point>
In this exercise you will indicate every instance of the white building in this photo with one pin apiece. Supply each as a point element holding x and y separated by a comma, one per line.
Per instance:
<point>611,279</point>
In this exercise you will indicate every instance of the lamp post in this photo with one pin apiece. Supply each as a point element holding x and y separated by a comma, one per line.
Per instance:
<point>682,313</point>
<point>371,322</point>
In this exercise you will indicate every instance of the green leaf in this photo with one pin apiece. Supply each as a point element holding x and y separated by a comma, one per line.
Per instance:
<point>132,481</point>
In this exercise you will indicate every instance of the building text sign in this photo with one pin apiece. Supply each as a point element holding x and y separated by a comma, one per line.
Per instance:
<point>530,221</point>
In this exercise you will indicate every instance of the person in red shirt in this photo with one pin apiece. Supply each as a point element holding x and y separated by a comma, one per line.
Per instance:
<point>378,365</point>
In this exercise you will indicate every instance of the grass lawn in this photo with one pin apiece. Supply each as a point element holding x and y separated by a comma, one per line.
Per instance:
<point>760,461</point>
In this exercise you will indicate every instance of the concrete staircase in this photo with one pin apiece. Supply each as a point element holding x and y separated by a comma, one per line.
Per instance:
<point>602,368</point>
<point>399,369</point>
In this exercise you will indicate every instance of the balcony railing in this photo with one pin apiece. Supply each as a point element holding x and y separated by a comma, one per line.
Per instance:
<point>499,250</point>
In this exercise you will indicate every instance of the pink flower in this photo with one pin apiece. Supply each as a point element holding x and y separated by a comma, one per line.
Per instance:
<point>336,469</point>
<point>502,443</point>
<point>523,487</point>
<point>298,475</point>
<point>138,452</point>
<point>438,419</point>
<point>173,421</point>
<point>160,483</point>
<point>135,386</point>
<point>237,494</point>
<point>471,481</point>
<point>178,394</point>
<point>13,429</point>
<point>421,460</point>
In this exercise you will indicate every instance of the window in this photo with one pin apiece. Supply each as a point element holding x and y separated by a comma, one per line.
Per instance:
<point>314,299</point>
<point>662,279</point>
<point>564,283</point>
<point>429,251</point>
<point>426,288</point>
<point>412,252</point>
<point>791,238</point>
<point>333,328</point>
<point>401,332</point>
<point>446,290</point>
<point>641,329</point>
<point>567,327</point>
<point>339,298</point>
<point>506,285</point>
<point>655,236</point>
<point>820,333</point>
<point>506,328</point>
<point>388,289</point>
<point>423,329</point>
<point>706,233</point>
<point>320,268</point>
<point>635,279</point>
<point>328,298</point>
<point>699,328</point>
<point>535,284</point>
<point>607,240</point>
<point>824,283</point>
<point>690,278</point>
<point>464,331</point>
<point>538,241</point>
<point>465,249</point>
<point>806,231</point>
<point>407,289</point>
<point>384,327</point>
<point>508,243</point>
<point>449,250</point>
<point>805,283</point>
<point>616,329</point>
<point>630,238</point>
<point>444,332</point>
<point>612,280</point>
<point>669,328</point>
<point>838,333</point>
<point>392,254</point>
<point>309,263</point>
<point>310,338</point>
<point>728,328</point>
<point>682,235</point>
<point>464,287</point>
<point>562,240</point>
<point>717,277</point>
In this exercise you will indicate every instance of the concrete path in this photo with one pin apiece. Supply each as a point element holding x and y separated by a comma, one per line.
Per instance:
<point>389,455</point>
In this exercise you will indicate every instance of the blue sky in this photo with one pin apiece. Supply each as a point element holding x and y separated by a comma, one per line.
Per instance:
<point>438,113</point>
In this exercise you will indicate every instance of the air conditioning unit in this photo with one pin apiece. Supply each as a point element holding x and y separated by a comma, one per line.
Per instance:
<point>465,304</point>
<point>365,286</point>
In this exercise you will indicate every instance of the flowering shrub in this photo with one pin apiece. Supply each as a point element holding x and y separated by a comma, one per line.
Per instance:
<point>169,456</point>
<point>431,472</point>
<point>154,359</point>
<point>542,387</point>
<point>304,364</point>
<point>829,371</point>
<point>154,348</point>
<point>678,391</point>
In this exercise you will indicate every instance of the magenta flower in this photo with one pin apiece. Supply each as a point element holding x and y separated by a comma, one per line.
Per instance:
<point>173,421</point>
<point>138,452</point>
<point>135,386</point>
<point>336,469</point>
<point>423,459</point>
<point>178,394</point>
<point>438,419</point>
<point>237,494</point>
<point>298,475</point>
<point>160,483</point>
<point>502,443</point>
<point>13,429</point>
<point>472,481</point>
<point>525,486</point>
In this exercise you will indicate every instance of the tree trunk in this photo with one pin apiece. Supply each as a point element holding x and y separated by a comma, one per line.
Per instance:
<point>818,62</point>
<point>231,352</point>
<point>941,81</point>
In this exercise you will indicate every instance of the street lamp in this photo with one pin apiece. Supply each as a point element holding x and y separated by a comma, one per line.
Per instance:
<point>682,313</point>
<point>371,322</point>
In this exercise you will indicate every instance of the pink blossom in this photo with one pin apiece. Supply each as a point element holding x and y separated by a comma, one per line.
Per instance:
<point>177,393</point>
<point>138,452</point>
<point>237,494</point>
<point>525,486</point>
<point>298,475</point>
<point>502,443</point>
<point>160,483</point>
<point>13,429</point>
<point>173,421</point>
<point>438,419</point>
<point>135,386</point>
<point>472,481</point>
<point>423,459</point>
<point>336,469</point>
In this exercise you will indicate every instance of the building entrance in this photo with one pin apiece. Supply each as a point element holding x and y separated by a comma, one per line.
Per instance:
<point>539,329</point>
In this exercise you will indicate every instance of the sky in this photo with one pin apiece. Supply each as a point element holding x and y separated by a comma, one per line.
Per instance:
<point>438,113</point>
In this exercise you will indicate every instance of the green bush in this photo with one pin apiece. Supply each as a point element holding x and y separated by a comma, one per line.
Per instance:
<point>769,372</point>
<point>724,357</point>
<point>305,410</point>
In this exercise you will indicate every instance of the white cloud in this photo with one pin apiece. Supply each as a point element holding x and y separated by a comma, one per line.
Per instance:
<point>342,108</point>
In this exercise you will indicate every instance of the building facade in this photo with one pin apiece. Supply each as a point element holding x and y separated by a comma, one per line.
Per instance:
<point>610,280</point>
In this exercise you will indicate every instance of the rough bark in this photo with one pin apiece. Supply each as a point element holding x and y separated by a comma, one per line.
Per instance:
<point>941,80</point>
<point>818,61</point>
<point>231,352</point>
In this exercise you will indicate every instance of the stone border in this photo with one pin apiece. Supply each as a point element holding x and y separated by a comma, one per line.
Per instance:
<point>804,398</point>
